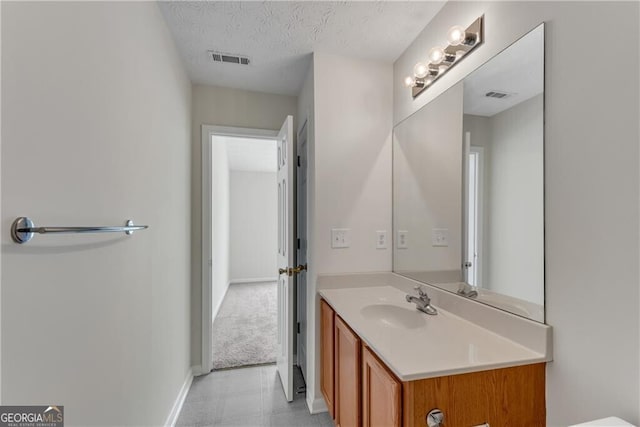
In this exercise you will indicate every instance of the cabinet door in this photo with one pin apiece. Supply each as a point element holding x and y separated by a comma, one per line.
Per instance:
<point>327,317</point>
<point>347,379</point>
<point>381,393</point>
<point>500,397</point>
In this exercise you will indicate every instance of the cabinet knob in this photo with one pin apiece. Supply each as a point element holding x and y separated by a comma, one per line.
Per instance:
<point>435,418</point>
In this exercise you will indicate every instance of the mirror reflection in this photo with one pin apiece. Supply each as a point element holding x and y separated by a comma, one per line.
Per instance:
<point>469,185</point>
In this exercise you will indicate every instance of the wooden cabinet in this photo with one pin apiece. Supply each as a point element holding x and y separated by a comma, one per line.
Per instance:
<point>327,319</point>
<point>361,391</point>
<point>381,393</point>
<point>347,376</point>
<point>500,397</point>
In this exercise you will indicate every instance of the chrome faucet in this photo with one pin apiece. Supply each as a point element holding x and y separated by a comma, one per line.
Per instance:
<point>467,290</point>
<point>422,301</point>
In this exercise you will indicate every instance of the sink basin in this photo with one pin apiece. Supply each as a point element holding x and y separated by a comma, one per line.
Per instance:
<point>394,316</point>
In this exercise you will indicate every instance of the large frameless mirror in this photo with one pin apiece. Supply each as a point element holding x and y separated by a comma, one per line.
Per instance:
<point>468,184</point>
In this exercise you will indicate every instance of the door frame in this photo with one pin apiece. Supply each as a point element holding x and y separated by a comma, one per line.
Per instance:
<point>301,305</point>
<point>206,321</point>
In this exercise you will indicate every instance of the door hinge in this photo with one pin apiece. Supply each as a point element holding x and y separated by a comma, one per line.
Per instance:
<point>298,161</point>
<point>298,243</point>
<point>298,326</point>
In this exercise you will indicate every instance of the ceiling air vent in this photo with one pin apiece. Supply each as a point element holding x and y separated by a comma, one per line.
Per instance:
<point>498,94</point>
<point>228,58</point>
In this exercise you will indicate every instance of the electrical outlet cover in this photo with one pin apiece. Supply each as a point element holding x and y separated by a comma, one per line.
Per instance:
<point>440,237</point>
<point>340,238</point>
<point>403,239</point>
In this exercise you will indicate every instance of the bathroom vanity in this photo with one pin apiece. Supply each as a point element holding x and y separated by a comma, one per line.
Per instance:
<point>384,363</point>
<point>468,224</point>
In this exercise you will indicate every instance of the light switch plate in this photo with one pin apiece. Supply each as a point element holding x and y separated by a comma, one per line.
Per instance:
<point>381,239</point>
<point>403,237</point>
<point>440,237</point>
<point>340,238</point>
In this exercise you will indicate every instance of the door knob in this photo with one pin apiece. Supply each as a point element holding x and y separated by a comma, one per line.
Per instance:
<point>292,270</point>
<point>297,270</point>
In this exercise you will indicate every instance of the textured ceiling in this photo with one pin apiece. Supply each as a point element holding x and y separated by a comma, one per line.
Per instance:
<point>279,37</point>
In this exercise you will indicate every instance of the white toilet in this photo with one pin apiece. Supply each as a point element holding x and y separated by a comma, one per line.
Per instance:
<point>605,422</point>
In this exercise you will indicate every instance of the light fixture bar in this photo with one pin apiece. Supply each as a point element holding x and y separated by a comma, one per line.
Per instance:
<point>472,37</point>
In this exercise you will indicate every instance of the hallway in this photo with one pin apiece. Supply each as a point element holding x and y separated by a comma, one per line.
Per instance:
<point>245,328</point>
<point>246,397</point>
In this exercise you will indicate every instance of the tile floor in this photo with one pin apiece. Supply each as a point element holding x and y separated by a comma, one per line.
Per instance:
<point>247,397</point>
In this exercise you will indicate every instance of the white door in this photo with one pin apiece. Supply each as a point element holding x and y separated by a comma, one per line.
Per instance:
<point>301,226</point>
<point>472,215</point>
<point>474,173</point>
<point>286,255</point>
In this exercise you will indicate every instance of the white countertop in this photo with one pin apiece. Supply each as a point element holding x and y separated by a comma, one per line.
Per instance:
<point>415,345</point>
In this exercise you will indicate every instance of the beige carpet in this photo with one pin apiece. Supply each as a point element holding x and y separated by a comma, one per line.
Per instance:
<point>244,331</point>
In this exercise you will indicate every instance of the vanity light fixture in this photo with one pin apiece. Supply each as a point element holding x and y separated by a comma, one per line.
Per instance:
<point>440,60</point>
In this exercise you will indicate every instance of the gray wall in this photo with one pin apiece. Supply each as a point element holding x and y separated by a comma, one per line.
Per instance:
<point>591,189</point>
<point>96,130</point>
<point>222,107</point>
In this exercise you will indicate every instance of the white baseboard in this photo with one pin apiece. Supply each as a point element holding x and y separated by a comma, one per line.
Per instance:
<point>317,405</point>
<point>177,405</point>
<point>197,370</point>
<point>256,280</point>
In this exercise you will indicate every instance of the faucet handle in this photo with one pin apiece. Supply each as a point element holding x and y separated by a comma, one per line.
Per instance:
<point>420,290</point>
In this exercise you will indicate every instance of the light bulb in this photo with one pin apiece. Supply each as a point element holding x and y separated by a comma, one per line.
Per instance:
<point>409,81</point>
<point>420,70</point>
<point>436,55</point>
<point>456,35</point>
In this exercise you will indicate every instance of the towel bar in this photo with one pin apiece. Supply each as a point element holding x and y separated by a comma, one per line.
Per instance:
<point>23,229</point>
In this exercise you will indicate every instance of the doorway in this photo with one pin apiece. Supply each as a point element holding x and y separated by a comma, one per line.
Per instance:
<point>217,275</point>
<point>243,235</point>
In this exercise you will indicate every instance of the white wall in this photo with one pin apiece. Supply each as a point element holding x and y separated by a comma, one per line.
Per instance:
<point>222,107</point>
<point>254,225</point>
<point>350,177</point>
<point>353,103</point>
<point>220,222</point>
<point>95,131</point>
<point>591,189</point>
<point>515,235</point>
